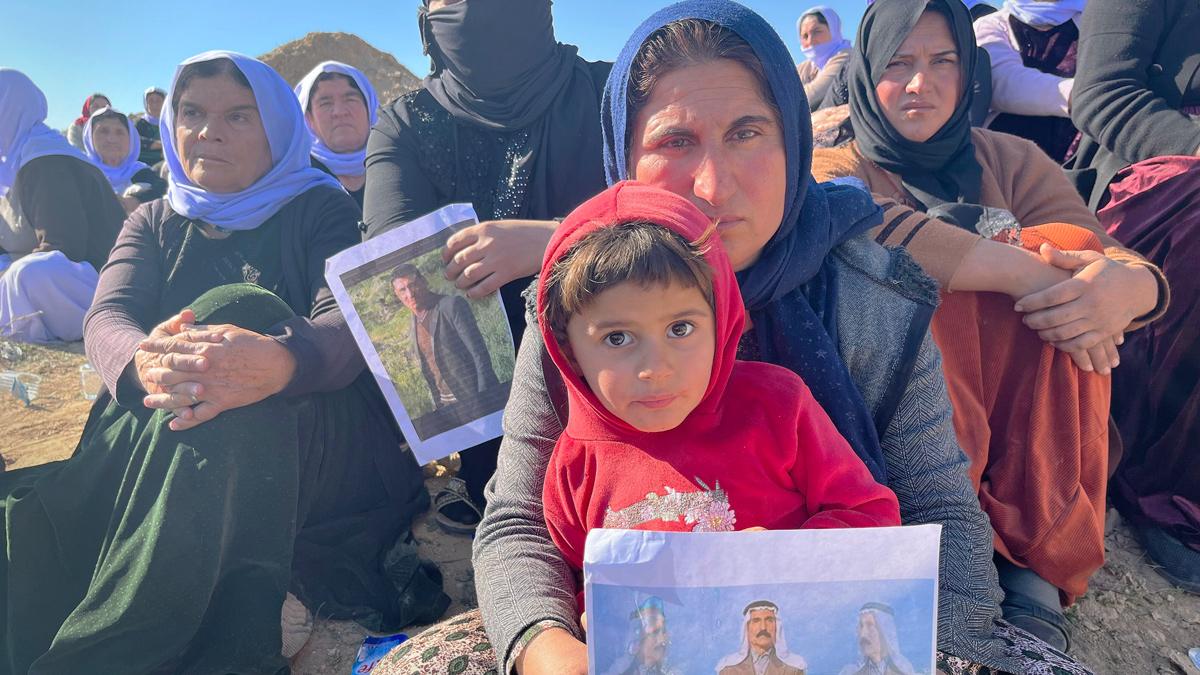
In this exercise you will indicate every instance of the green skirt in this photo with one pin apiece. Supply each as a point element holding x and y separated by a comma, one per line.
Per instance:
<point>153,550</point>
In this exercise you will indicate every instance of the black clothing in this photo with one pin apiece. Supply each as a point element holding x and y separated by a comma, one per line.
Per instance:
<point>357,195</point>
<point>149,133</point>
<point>942,169</point>
<point>70,205</point>
<point>1138,65</point>
<point>420,158</point>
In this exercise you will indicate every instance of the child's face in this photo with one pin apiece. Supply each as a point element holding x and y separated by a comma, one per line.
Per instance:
<point>646,352</point>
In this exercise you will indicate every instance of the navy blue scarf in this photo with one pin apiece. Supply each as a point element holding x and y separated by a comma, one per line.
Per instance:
<point>791,290</point>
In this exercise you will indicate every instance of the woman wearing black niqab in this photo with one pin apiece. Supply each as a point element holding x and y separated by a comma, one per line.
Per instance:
<point>506,120</point>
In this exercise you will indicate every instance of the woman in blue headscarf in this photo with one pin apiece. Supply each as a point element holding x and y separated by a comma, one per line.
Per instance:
<point>704,101</point>
<point>340,107</point>
<point>239,452</point>
<point>111,141</point>
<point>825,51</point>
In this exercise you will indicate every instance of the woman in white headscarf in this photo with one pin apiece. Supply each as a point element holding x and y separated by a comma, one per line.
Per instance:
<point>112,143</point>
<point>340,107</point>
<point>62,219</point>
<point>147,126</point>
<point>1033,45</point>
<point>825,51</point>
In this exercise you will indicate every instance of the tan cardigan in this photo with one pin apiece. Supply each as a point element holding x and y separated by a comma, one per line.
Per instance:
<point>1017,176</point>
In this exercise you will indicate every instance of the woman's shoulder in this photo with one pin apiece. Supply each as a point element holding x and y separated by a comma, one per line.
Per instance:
<point>836,162</point>
<point>871,274</point>
<point>416,108</point>
<point>1004,153</point>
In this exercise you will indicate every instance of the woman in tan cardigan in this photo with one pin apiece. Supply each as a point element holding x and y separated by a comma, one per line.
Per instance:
<point>1029,387</point>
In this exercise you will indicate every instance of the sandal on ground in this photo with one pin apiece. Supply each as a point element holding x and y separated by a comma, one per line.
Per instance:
<point>1172,558</point>
<point>1032,604</point>
<point>451,503</point>
<point>1045,623</point>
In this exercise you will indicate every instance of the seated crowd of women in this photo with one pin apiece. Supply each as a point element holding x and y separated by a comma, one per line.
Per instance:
<point>1004,338</point>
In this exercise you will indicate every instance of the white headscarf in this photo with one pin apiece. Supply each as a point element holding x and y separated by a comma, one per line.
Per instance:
<point>1045,13</point>
<point>820,54</point>
<point>781,647</point>
<point>885,624</point>
<point>351,163</point>
<point>145,95</point>
<point>24,135</point>
<point>121,175</point>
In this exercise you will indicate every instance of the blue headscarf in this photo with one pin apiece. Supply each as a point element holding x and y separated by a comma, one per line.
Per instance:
<point>24,135</point>
<point>120,176</point>
<point>351,163</point>
<point>790,291</point>
<point>292,172</point>
<point>820,54</point>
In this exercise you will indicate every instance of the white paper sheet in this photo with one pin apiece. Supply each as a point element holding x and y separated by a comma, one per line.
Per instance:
<point>445,364</point>
<point>677,600</point>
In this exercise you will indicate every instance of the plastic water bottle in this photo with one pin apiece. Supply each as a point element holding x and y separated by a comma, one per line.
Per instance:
<point>90,383</point>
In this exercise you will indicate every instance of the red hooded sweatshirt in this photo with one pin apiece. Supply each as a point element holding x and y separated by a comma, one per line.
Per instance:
<point>757,451</point>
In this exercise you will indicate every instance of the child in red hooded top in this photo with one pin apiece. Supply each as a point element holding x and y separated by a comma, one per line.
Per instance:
<point>640,310</point>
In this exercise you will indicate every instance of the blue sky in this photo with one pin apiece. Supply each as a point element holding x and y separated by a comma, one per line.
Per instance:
<point>72,48</point>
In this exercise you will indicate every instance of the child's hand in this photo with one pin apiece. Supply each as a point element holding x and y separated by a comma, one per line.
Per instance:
<point>583,621</point>
<point>755,529</point>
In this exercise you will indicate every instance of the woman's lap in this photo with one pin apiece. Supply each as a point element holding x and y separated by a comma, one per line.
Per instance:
<point>150,546</point>
<point>1155,210</point>
<point>1035,428</point>
<point>459,645</point>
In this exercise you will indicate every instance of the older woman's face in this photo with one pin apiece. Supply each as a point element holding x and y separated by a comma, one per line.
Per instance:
<point>220,136</point>
<point>337,112</point>
<point>110,137</point>
<point>922,83</point>
<point>813,32</point>
<point>706,134</point>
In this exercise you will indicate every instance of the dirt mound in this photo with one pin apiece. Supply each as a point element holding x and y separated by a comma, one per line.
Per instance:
<point>294,59</point>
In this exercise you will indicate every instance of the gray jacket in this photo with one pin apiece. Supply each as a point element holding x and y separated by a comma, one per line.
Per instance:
<point>884,306</point>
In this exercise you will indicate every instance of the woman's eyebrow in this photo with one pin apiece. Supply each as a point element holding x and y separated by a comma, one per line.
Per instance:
<point>746,120</point>
<point>668,131</point>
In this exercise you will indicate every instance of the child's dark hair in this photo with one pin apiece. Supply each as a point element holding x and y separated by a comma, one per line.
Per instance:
<point>639,251</point>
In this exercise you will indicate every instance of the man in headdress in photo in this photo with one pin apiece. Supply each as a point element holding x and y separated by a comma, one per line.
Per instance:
<point>764,649</point>
<point>647,648</point>
<point>878,643</point>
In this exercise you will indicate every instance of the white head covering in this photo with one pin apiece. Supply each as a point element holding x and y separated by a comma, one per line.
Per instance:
<point>820,54</point>
<point>885,624</point>
<point>340,163</point>
<point>145,95</point>
<point>781,646</point>
<point>24,135</point>
<point>1045,13</point>
<point>290,176</point>
<point>120,176</point>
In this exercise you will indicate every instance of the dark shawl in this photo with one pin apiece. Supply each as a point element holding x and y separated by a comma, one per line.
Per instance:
<point>790,290</point>
<point>497,66</point>
<point>943,169</point>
